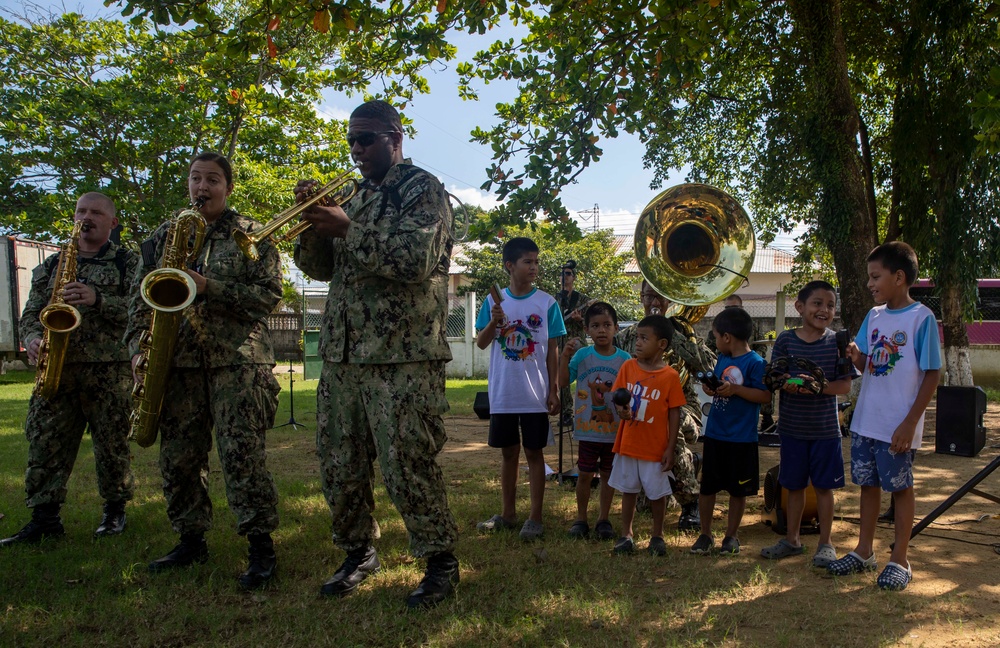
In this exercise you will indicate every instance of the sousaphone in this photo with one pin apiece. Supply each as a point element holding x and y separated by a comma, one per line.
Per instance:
<point>694,245</point>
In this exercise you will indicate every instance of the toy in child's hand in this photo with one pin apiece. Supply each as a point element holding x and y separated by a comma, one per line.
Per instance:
<point>844,363</point>
<point>708,379</point>
<point>808,378</point>
<point>622,398</point>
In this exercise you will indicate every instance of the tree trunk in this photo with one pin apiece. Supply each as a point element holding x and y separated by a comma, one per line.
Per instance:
<point>843,218</point>
<point>957,364</point>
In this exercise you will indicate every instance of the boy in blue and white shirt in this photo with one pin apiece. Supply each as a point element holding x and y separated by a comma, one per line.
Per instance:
<point>898,352</point>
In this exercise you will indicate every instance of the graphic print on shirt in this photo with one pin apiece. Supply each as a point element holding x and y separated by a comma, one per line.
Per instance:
<point>731,374</point>
<point>598,408</point>
<point>885,352</point>
<point>517,338</point>
<point>641,397</point>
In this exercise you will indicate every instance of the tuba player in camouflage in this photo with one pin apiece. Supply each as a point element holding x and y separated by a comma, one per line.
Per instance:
<point>95,380</point>
<point>381,390</point>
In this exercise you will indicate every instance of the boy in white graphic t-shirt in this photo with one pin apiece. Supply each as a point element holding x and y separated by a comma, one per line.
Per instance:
<point>522,332</point>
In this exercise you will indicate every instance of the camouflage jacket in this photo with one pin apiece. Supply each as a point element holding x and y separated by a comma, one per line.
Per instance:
<point>695,355</point>
<point>226,325</point>
<point>388,277</point>
<point>569,303</point>
<point>99,336</point>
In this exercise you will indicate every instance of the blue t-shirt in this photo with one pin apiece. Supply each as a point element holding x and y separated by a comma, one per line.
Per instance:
<point>805,416</point>
<point>594,374</point>
<point>734,419</point>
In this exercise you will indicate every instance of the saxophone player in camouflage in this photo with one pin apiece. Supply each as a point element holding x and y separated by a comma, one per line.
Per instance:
<point>95,380</point>
<point>697,357</point>
<point>221,380</point>
<point>381,391</point>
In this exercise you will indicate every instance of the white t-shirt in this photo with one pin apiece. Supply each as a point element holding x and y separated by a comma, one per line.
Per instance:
<point>518,380</point>
<point>901,345</point>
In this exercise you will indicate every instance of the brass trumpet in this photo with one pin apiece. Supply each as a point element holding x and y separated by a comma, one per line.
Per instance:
<point>248,242</point>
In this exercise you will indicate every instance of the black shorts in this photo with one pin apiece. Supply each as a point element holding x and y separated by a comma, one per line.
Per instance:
<point>729,466</point>
<point>529,430</point>
<point>595,456</point>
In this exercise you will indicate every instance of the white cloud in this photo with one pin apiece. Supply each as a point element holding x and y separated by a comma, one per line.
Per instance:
<point>473,196</point>
<point>332,111</point>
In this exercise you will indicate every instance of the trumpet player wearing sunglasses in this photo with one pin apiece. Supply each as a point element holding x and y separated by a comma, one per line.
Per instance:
<point>86,285</point>
<point>219,377</point>
<point>381,391</point>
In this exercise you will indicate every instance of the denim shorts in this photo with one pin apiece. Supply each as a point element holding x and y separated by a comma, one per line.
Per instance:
<point>873,465</point>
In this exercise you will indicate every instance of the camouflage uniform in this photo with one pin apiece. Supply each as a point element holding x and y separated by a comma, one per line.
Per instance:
<point>94,384</point>
<point>696,358</point>
<point>567,303</point>
<point>383,345</point>
<point>221,378</point>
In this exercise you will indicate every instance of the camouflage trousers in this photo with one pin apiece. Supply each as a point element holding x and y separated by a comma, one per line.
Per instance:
<point>239,403</point>
<point>392,412</point>
<point>94,396</point>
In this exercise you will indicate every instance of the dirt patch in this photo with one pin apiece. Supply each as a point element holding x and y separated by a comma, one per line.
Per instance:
<point>953,600</point>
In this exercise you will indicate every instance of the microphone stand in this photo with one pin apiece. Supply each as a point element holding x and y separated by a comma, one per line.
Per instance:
<point>291,401</point>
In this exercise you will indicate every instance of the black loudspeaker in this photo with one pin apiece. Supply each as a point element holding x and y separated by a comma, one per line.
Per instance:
<point>959,426</point>
<point>481,406</point>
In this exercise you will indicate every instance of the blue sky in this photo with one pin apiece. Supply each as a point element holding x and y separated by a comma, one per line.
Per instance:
<point>618,184</point>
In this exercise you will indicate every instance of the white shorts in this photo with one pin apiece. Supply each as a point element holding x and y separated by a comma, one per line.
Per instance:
<point>630,475</point>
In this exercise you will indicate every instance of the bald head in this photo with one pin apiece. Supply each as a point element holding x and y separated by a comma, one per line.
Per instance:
<point>98,198</point>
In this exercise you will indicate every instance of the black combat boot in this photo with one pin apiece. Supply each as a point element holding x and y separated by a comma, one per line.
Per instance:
<point>438,583</point>
<point>262,562</point>
<point>113,521</point>
<point>690,519</point>
<point>358,565</point>
<point>192,549</point>
<point>45,523</point>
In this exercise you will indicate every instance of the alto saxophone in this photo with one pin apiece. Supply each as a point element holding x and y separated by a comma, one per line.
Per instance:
<point>59,320</point>
<point>168,290</point>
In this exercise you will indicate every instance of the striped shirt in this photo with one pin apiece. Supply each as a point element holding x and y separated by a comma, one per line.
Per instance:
<point>805,416</point>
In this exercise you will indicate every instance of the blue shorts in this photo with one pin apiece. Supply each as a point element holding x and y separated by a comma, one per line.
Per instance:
<point>873,465</point>
<point>820,461</point>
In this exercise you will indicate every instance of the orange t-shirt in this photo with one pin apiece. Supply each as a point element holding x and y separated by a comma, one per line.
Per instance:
<point>654,394</point>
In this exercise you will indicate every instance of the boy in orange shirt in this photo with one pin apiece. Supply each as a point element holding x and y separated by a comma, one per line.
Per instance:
<point>647,434</point>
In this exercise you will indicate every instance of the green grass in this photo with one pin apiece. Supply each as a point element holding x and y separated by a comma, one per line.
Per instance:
<point>79,592</point>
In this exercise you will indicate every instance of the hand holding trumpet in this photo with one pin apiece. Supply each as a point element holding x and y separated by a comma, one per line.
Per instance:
<point>330,221</point>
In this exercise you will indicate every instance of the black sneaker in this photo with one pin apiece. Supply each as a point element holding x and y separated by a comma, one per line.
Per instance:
<point>730,546</point>
<point>657,547</point>
<point>262,562</point>
<point>113,520</point>
<point>703,545</point>
<point>438,583</point>
<point>690,519</point>
<point>624,547</point>
<point>44,523</point>
<point>580,530</point>
<point>357,566</point>
<point>604,531</point>
<point>191,549</point>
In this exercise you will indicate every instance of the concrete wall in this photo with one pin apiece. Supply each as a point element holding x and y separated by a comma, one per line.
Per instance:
<point>985,360</point>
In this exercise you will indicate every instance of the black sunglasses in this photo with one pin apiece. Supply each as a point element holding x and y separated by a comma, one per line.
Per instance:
<point>366,139</point>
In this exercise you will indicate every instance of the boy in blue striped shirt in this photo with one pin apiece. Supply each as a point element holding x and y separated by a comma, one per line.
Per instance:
<point>808,425</point>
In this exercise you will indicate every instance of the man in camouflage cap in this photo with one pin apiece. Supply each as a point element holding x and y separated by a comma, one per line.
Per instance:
<point>571,303</point>
<point>381,390</point>
<point>94,383</point>
<point>696,357</point>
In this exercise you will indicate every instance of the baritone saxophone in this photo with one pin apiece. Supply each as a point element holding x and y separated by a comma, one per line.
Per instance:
<point>168,290</point>
<point>59,320</point>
